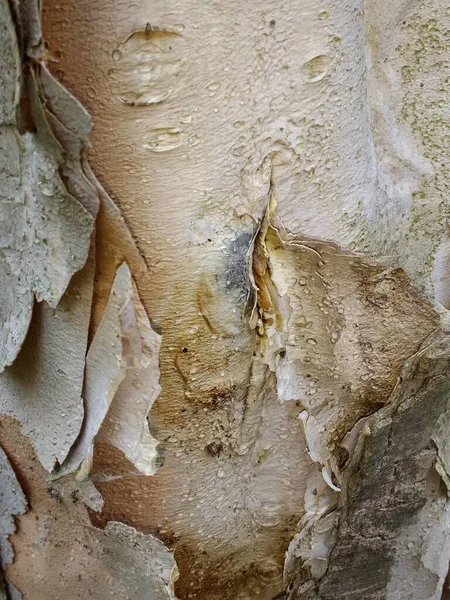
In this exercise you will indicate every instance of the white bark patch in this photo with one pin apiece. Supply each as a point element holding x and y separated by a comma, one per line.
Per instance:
<point>124,348</point>
<point>125,425</point>
<point>12,503</point>
<point>407,57</point>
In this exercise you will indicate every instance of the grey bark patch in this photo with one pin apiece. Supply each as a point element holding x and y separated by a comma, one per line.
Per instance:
<point>142,560</point>
<point>28,20</point>
<point>42,388</point>
<point>15,313</point>
<point>12,503</point>
<point>386,490</point>
<point>10,61</point>
<point>44,231</point>
<point>71,125</point>
<point>45,236</point>
<point>16,292</point>
<point>237,267</point>
<point>65,107</point>
<point>59,218</point>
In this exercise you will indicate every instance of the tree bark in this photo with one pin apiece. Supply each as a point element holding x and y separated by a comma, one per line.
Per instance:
<point>225,344</point>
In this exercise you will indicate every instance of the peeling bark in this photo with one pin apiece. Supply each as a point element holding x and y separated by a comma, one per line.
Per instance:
<point>393,507</point>
<point>113,377</point>
<point>59,554</point>
<point>270,304</point>
<point>336,329</point>
<point>125,425</point>
<point>57,199</point>
<point>42,389</point>
<point>46,239</point>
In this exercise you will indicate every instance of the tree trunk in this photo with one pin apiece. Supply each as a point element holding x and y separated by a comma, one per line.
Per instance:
<point>224,348</point>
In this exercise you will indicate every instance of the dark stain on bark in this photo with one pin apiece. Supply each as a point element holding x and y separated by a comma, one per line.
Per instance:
<point>238,266</point>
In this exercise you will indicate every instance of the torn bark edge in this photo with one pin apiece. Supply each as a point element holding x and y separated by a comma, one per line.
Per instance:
<point>307,560</point>
<point>29,35</point>
<point>124,319</point>
<point>417,376</point>
<point>66,113</point>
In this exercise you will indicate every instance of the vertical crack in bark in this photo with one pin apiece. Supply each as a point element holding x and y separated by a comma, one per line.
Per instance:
<point>317,306</point>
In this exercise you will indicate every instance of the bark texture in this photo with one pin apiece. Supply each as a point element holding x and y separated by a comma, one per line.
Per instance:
<point>239,389</point>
